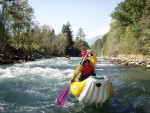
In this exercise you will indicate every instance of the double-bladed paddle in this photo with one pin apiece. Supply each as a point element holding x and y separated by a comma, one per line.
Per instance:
<point>61,99</point>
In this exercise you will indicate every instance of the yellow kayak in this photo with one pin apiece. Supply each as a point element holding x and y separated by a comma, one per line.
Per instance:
<point>92,90</point>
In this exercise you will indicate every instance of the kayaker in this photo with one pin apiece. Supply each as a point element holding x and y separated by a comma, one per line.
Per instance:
<point>88,66</point>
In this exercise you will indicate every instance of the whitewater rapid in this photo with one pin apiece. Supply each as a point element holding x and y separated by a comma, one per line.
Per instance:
<point>33,87</point>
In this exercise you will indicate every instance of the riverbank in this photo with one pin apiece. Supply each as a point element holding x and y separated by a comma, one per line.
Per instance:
<point>13,55</point>
<point>130,61</point>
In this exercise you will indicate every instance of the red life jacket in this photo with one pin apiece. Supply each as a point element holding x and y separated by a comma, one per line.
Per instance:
<point>87,68</point>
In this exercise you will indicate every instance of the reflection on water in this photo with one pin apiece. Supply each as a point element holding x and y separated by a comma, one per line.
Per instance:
<point>33,87</point>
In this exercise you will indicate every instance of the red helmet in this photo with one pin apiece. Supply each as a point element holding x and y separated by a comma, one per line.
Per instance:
<point>83,53</point>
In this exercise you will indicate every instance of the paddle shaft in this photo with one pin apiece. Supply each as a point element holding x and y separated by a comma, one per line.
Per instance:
<point>80,65</point>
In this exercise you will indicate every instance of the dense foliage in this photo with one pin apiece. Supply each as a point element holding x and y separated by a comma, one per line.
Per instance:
<point>18,30</point>
<point>129,32</point>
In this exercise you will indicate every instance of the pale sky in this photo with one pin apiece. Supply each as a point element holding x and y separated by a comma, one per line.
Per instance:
<point>93,16</point>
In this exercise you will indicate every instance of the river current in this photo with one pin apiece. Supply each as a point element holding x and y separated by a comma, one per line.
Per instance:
<point>33,87</point>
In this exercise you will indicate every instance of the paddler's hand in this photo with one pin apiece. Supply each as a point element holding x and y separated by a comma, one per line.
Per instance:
<point>89,54</point>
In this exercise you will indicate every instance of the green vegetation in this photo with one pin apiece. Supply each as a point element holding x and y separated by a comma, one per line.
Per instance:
<point>19,31</point>
<point>129,32</point>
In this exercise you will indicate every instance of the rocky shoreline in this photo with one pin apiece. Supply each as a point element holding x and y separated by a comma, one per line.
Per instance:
<point>127,61</point>
<point>7,58</point>
<point>18,56</point>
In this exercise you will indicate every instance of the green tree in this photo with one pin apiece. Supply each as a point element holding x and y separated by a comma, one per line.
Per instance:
<point>19,19</point>
<point>59,45</point>
<point>4,36</point>
<point>129,12</point>
<point>80,45</point>
<point>98,47</point>
<point>66,29</point>
<point>47,38</point>
<point>129,32</point>
<point>143,44</point>
<point>36,39</point>
<point>80,35</point>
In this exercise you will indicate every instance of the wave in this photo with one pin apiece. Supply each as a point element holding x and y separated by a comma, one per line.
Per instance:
<point>44,68</point>
<point>104,64</point>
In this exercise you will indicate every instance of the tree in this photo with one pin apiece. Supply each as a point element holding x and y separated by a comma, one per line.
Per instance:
<point>36,39</point>
<point>129,12</point>
<point>98,47</point>
<point>129,32</point>
<point>80,34</point>
<point>66,29</point>
<point>4,36</point>
<point>143,43</point>
<point>47,38</point>
<point>20,20</point>
<point>81,45</point>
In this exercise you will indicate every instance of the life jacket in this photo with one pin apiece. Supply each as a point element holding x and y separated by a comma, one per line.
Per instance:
<point>87,68</point>
<point>93,60</point>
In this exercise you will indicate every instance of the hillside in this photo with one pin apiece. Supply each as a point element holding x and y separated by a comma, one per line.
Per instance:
<point>129,32</point>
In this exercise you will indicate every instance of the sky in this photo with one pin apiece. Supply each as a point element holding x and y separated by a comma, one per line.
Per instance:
<point>93,16</point>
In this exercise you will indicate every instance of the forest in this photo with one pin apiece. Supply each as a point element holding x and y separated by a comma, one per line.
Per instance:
<point>129,32</point>
<point>21,36</point>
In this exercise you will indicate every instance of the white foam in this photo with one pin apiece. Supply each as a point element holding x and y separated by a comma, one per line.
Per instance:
<point>52,68</point>
<point>43,68</point>
<point>104,64</point>
<point>100,69</point>
<point>35,92</point>
<point>2,105</point>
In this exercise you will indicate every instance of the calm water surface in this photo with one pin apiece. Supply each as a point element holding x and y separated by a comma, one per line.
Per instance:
<point>33,87</point>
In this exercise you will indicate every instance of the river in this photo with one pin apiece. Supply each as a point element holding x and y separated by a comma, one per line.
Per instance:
<point>33,87</point>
